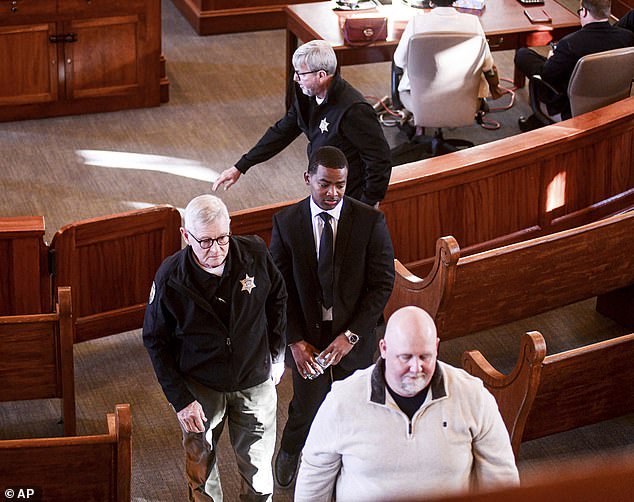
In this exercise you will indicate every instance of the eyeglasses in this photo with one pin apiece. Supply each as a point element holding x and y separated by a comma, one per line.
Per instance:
<point>222,240</point>
<point>300,73</point>
<point>580,10</point>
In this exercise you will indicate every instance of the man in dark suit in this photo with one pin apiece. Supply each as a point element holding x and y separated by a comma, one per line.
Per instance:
<point>627,21</point>
<point>596,35</point>
<point>339,272</point>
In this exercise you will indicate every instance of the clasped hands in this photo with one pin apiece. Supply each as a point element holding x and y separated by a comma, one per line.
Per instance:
<point>304,355</point>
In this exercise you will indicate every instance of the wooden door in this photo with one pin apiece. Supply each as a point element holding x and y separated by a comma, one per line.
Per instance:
<point>104,61</point>
<point>28,64</point>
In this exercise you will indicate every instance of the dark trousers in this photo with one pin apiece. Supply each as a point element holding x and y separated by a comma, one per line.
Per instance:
<point>532,63</point>
<point>307,397</point>
<point>529,62</point>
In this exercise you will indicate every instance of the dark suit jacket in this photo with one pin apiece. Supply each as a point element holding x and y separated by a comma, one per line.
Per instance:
<point>627,21</point>
<point>364,275</point>
<point>592,38</point>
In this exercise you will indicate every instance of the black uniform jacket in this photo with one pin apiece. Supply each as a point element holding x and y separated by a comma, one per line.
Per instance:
<point>364,275</point>
<point>185,337</point>
<point>344,120</point>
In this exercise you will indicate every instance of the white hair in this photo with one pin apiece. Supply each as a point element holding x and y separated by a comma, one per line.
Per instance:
<point>205,209</point>
<point>316,55</point>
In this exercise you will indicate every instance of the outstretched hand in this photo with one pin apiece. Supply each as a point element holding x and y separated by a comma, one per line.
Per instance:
<point>227,178</point>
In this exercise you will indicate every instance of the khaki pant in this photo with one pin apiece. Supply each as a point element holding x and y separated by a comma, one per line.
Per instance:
<point>250,415</point>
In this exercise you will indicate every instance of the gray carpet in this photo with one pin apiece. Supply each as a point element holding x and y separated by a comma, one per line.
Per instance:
<point>225,91</point>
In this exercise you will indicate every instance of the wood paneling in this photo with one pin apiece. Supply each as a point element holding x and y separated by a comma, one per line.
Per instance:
<point>28,66</point>
<point>532,184</point>
<point>24,276</point>
<point>87,468</point>
<point>545,395</point>
<point>212,17</point>
<point>110,263</point>
<point>468,294</point>
<point>64,57</point>
<point>609,478</point>
<point>37,358</point>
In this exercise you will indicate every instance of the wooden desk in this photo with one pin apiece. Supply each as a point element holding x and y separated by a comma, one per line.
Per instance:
<point>503,21</point>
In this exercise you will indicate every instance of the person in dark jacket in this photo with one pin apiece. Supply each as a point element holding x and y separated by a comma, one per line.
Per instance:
<point>627,21</point>
<point>337,259</point>
<point>215,331</point>
<point>596,35</point>
<point>329,111</point>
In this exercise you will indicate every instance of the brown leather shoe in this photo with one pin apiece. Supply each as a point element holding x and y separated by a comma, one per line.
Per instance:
<point>285,468</point>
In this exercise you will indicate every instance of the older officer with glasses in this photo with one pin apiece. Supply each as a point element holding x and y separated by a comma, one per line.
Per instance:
<point>215,331</point>
<point>330,112</point>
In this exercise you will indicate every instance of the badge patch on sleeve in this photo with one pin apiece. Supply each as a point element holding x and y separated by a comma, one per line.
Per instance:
<point>248,283</point>
<point>152,292</point>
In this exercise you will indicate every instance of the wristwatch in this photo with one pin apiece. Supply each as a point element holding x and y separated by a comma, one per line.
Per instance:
<point>352,338</point>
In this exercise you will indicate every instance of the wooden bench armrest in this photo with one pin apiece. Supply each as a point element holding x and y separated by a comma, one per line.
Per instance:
<point>516,391</point>
<point>122,419</point>
<point>432,291</point>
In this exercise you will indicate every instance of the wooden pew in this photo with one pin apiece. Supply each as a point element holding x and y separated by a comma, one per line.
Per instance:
<point>588,479</point>
<point>561,176</point>
<point>37,358</point>
<point>495,287</point>
<point>96,467</point>
<point>110,263</point>
<point>24,277</point>
<point>544,395</point>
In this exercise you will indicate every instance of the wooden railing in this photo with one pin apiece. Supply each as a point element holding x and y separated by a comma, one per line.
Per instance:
<point>505,191</point>
<point>536,183</point>
<point>468,294</point>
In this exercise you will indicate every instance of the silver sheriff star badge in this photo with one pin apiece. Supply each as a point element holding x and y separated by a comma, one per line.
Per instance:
<point>323,125</point>
<point>248,283</point>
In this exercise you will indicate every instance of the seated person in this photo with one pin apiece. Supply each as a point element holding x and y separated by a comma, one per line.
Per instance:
<point>407,427</point>
<point>444,18</point>
<point>627,21</point>
<point>596,35</point>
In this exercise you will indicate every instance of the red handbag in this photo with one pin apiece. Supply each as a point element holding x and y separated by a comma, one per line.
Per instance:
<point>364,30</point>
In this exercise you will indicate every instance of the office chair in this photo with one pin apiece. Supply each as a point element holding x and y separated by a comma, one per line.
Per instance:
<point>597,80</point>
<point>445,71</point>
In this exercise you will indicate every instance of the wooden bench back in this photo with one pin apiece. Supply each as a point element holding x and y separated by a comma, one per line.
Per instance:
<point>24,276</point>
<point>544,395</point>
<point>37,358</point>
<point>561,176</point>
<point>480,291</point>
<point>110,263</point>
<point>88,468</point>
<point>608,479</point>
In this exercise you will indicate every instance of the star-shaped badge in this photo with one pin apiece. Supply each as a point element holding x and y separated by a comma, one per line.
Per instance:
<point>248,283</point>
<point>323,125</point>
